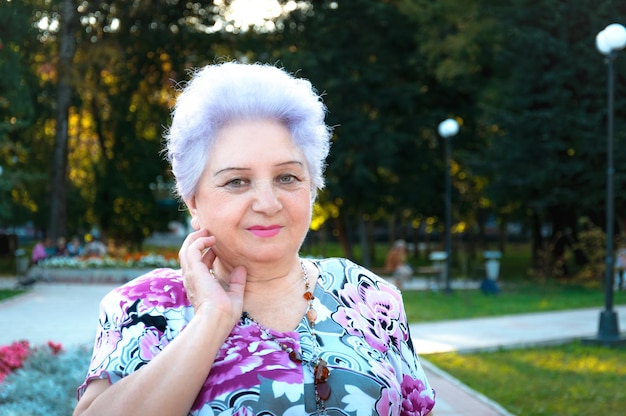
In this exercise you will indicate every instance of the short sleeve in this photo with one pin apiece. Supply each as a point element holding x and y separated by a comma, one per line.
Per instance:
<point>136,321</point>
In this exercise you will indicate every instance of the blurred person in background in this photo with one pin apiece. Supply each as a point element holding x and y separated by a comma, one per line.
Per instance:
<point>74,247</point>
<point>396,263</point>
<point>41,250</point>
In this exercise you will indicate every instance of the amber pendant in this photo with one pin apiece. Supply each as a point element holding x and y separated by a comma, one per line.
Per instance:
<point>295,356</point>
<point>320,376</point>
<point>323,391</point>
<point>321,371</point>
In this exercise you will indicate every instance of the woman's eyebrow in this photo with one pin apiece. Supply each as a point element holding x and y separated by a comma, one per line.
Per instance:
<point>230,169</point>
<point>290,162</point>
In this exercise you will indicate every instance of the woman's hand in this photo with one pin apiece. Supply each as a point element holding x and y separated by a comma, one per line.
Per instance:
<point>171,381</point>
<point>208,294</point>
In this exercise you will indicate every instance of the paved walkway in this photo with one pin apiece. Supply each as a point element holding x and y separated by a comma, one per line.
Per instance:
<point>67,313</point>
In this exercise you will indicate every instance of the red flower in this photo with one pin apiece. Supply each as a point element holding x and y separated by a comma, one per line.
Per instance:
<point>55,347</point>
<point>12,357</point>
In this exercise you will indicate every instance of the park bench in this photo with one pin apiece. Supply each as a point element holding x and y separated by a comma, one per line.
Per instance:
<point>433,274</point>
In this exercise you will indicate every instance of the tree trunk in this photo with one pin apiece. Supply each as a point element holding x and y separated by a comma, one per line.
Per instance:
<point>537,255</point>
<point>365,254</point>
<point>67,48</point>
<point>502,234</point>
<point>391,225</point>
<point>371,241</point>
<point>342,236</point>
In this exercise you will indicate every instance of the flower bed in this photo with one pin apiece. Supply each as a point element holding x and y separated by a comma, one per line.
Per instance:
<point>107,262</point>
<point>40,380</point>
<point>98,269</point>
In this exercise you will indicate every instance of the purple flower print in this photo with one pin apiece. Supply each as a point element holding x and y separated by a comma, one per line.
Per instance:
<point>246,357</point>
<point>415,402</point>
<point>386,373</point>
<point>390,400</point>
<point>243,411</point>
<point>150,344</point>
<point>388,404</point>
<point>410,399</point>
<point>159,288</point>
<point>372,312</point>
<point>106,343</point>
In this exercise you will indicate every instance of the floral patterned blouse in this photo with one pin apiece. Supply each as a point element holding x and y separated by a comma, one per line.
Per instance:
<point>361,329</point>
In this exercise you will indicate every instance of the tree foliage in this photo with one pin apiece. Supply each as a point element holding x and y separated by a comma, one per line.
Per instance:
<point>23,106</point>
<point>522,77</point>
<point>550,143</point>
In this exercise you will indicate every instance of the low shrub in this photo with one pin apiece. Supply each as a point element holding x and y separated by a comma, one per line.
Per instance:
<point>44,382</point>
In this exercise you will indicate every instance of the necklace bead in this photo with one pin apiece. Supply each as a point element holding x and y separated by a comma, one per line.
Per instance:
<point>323,391</point>
<point>312,315</point>
<point>295,356</point>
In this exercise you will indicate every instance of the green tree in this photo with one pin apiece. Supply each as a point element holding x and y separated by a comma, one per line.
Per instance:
<point>129,59</point>
<point>459,42</point>
<point>68,20</point>
<point>20,108</point>
<point>549,148</point>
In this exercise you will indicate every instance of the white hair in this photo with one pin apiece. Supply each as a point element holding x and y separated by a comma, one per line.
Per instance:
<point>219,94</point>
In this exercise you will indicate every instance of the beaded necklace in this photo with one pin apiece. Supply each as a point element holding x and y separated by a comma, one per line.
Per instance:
<point>317,365</point>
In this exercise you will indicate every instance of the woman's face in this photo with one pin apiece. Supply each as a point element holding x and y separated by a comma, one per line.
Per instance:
<point>254,195</point>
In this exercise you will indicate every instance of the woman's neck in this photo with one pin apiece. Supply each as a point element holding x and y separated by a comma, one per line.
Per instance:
<point>276,300</point>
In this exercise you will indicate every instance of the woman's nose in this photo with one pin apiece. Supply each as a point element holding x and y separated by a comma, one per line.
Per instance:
<point>266,199</point>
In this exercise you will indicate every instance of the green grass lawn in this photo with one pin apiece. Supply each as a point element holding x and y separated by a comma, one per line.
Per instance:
<point>427,306</point>
<point>566,380</point>
<point>7,293</point>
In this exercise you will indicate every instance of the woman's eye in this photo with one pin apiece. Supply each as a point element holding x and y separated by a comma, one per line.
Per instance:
<point>236,183</point>
<point>287,179</point>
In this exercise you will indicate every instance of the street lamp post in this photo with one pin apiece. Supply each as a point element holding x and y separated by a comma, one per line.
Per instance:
<point>609,42</point>
<point>447,129</point>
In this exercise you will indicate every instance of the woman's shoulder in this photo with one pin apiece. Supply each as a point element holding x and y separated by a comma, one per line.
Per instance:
<point>160,288</point>
<point>334,264</point>
<point>338,271</point>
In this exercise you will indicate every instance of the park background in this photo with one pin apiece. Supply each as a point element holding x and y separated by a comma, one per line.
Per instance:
<point>86,88</point>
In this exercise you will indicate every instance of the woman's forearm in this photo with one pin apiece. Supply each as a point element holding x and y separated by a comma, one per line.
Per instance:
<point>170,383</point>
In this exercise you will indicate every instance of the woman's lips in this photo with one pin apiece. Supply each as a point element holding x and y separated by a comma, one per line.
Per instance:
<point>265,232</point>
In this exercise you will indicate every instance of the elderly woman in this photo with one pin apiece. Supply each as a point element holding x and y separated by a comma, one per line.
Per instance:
<point>247,327</point>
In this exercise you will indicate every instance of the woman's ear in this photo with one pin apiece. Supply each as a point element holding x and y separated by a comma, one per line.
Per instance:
<point>193,211</point>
